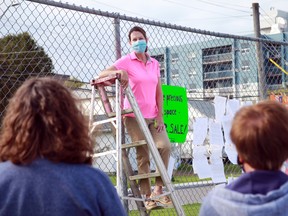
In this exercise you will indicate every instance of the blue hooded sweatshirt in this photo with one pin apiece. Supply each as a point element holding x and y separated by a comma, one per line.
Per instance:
<point>259,193</point>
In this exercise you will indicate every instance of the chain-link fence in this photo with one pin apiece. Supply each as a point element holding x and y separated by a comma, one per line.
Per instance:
<point>47,38</point>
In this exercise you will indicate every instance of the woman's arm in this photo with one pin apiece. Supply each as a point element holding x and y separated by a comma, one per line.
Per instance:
<point>112,70</point>
<point>109,71</point>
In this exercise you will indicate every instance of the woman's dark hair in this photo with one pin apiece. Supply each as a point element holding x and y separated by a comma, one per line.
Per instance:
<point>259,133</point>
<point>139,29</point>
<point>43,121</point>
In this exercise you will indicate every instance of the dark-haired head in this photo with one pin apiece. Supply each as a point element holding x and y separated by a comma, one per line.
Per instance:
<point>43,121</point>
<point>139,29</point>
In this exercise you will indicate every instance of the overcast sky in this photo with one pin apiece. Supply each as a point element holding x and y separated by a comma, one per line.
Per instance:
<point>225,16</point>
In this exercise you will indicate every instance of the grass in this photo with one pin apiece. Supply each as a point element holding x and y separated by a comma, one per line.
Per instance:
<point>192,209</point>
<point>185,174</point>
<point>175,179</point>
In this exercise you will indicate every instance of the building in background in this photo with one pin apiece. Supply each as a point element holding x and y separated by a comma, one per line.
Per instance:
<point>274,22</point>
<point>227,67</point>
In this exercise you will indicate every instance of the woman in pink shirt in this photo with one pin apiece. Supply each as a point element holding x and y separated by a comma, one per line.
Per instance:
<point>142,73</point>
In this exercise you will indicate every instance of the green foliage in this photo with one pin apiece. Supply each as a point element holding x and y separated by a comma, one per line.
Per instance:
<point>20,58</point>
<point>185,167</point>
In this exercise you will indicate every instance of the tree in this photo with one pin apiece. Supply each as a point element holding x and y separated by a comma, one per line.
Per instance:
<point>20,58</point>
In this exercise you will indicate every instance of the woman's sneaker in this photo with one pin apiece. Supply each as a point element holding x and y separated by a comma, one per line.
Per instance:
<point>151,204</point>
<point>163,199</point>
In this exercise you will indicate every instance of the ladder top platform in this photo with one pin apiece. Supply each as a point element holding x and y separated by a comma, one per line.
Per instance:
<point>105,81</point>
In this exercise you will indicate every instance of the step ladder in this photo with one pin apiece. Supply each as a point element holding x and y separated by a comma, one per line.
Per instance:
<point>120,153</point>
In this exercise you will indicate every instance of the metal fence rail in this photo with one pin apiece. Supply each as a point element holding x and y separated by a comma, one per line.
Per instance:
<point>72,43</point>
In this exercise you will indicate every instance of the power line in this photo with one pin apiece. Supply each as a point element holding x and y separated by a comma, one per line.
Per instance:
<point>101,3</point>
<point>222,6</point>
<point>213,18</point>
<point>233,5</point>
<point>218,5</point>
<point>267,15</point>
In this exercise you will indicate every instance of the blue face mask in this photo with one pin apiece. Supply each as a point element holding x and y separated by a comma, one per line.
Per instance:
<point>139,46</point>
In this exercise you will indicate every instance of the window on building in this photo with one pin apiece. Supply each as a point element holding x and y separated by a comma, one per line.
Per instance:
<point>159,58</point>
<point>274,79</point>
<point>209,68</point>
<point>224,49</point>
<point>174,58</point>
<point>225,66</point>
<point>272,73</point>
<point>217,50</point>
<point>191,56</point>
<point>211,84</point>
<point>175,73</point>
<point>223,83</point>
<point>208,51</point>
<point>161,65</point>
<point>162,76</point>
<point>192,87</point>
<point>192,72</point>
<point>272,50</point>
<point>245,68</point>
<point>245,48</point>
<point>245,82</point>
<point>245,65</point>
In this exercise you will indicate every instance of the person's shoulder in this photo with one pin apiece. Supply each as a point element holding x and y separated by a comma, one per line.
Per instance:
<point>219,192</point>
<point>126,57</point>
<point>61,169</point>
<point>5,164</point>
<point>123,61</point>
<point>6,167</point>
<point>92,173</point>
<point>206,206</point>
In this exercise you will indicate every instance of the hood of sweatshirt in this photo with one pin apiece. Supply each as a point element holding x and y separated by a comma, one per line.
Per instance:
<point>223,201</point>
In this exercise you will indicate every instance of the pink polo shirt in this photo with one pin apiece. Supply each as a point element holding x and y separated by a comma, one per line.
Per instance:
<point>143,80</point>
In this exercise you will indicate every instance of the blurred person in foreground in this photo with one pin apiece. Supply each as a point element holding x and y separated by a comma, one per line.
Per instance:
<point>259,133</point>
<point>46,157</point>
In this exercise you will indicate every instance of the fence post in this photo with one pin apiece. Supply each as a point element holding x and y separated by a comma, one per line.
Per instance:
<point>259,55</point>
<point>116,23</point>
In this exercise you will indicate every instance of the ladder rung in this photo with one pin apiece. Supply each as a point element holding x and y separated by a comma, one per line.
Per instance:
<point>106,81</point>
<point>160,205</point>
<point>133,198</point>
<point>134,144</point>
<point>103,121</point>
<point>104,153</point>
<point>144,176</point>
<point>123,112</point>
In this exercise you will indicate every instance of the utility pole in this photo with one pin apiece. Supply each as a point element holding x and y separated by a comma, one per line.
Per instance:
<point>259,55</point>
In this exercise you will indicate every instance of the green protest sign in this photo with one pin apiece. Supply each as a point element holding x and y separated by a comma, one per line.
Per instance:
<point>175,108</point>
